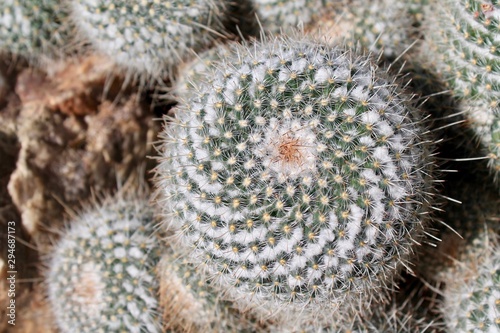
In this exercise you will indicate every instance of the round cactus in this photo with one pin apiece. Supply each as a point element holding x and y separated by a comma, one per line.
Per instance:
<point>298,175</point>
<point>462,45</point>
<point>147,36</point>
<point>101,274</point>
<point>472,295</point>
<point>33,27</point>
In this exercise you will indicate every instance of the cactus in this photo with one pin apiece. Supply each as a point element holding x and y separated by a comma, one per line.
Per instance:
<point>32,27</point>
<point>191,303</point>
<point>462,46</point>
<point>101,273</point>
<point>286,15</point>
<point>472,295</point>
<point>298,176</point>
<point>148,36</point>
<point>190,72</point>
<point>382,26</point>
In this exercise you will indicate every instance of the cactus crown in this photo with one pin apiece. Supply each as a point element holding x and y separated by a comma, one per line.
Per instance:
<point>148,35</point>
<point>296,173</point>
<point>101,273</point>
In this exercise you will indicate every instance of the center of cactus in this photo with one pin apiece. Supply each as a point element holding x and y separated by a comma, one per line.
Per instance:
<point>89,288</point>
<point>289,151</point>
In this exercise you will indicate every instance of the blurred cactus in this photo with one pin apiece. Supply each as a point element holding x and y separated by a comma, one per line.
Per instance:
<point>192,303</point>
<point>101,275</point>
<point>33,28</point>
<point>149,36</point>
<point>472,293</point>
<point>286,15</point>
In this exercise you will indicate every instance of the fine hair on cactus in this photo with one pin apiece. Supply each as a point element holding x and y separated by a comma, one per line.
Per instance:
<point>149,37</point>
<point>190,303</point>
<point>299,176</point>
<point>34,28</point>
<point>101,273</point>
<point>285,15</point>
<point>471,298</point>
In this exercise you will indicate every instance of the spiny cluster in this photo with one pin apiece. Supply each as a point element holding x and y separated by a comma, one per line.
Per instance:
<point>148,35</point>
<point>385,24</point>
<point>463,37</point>
<point>472,296</point>
<point>32,27</point>
<point>285,15</point>
<point>297,175</point>
<point>101,273</point>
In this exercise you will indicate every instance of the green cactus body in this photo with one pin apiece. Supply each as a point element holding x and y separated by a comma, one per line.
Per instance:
<point>33,27</point>
<point>386,25</point>
<point>463,42</point>
<point>472,295</point>
<point>101,274</point>
<point>285,15</point>
<point>148,36</point>
<point>298,176</point>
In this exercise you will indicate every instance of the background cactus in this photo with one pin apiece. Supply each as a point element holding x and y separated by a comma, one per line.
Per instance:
<point>461,44</point>
<point>33,28</point>
<point>286,15</point>
<point>472,294</point>
<point>298,176</point>
<point>385,25</point>
<point>101,274</point>
<point>149,36</point>
<point>191,303</point>
<point>190,72</point>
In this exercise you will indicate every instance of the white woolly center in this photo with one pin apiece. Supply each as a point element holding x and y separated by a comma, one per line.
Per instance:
<point>289,149</point>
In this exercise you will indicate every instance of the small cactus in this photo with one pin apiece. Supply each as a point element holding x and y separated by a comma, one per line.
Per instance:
<point>286,15</point>
<point>148,36</point>
<point>386,25</point>
<point>101,274</point>
<point>298,176</point>
<point>33,28</point>
<point>461,44</point>
<point>190,72</point>
<point>472,295</point>
<point>191,303</point>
